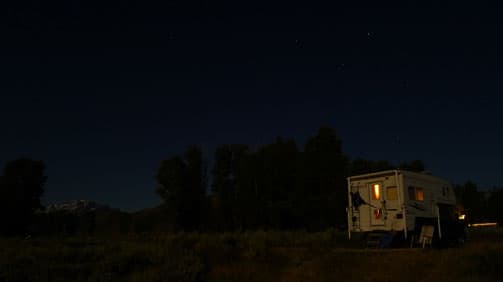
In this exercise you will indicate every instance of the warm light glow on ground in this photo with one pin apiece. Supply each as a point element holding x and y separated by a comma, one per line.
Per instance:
<point>485,224</point>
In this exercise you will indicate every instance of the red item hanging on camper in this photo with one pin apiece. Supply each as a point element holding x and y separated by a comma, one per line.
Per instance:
<point>377,213</point>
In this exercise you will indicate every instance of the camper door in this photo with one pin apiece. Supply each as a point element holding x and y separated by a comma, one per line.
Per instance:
<point>376,198</point>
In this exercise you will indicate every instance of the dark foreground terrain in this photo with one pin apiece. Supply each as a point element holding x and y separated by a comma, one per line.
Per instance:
<point>255,256</point>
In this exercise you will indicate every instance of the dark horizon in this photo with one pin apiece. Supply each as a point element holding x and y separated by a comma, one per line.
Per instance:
<point>102,93</point>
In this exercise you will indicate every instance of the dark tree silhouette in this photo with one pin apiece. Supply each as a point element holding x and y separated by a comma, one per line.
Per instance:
<point>171,179</point>
<point>250,201</point>
<point>469,198</point>
<point>495,205</point>
<point>279,187</point>
<point>414,165</point>
<point>182,185</point>
<point>382,165</point>
<point>325,172</point>
<point>362,166</point>
<point>21,189</point>
<point>279,174</point>
<point>196,183</point>
<point>225,173</point>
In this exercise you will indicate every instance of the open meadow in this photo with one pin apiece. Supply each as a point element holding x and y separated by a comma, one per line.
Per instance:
<point>253,256</point>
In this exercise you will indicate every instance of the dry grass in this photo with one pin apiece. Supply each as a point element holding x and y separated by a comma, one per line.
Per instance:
<point>256,256</point>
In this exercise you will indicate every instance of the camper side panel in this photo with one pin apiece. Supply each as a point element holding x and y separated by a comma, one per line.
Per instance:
<point>383,209</point>
<point>422,194</point>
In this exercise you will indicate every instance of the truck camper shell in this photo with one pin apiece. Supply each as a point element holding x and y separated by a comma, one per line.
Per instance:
<point>400,201</point>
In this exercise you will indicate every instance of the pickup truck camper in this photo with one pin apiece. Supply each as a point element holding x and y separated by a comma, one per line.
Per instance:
<point>417,207</point>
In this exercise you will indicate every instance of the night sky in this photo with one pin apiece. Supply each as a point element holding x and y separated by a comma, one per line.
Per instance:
<point>103,92</point>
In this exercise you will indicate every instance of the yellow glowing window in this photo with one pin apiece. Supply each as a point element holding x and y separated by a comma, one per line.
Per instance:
<point>419,194</point>
<point>376,191</point>
<point>391,193</point>
<point>416,194</point>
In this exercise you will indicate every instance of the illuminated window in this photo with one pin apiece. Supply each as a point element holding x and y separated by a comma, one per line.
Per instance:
<point>376,192</point>
<point>416,194</point>
<point>419,194</point>
<point>391,193</point>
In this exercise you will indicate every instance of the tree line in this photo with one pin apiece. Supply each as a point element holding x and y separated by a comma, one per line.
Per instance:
<point>274,186</point>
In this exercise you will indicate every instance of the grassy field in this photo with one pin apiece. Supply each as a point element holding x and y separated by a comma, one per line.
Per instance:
<point>255,256</point>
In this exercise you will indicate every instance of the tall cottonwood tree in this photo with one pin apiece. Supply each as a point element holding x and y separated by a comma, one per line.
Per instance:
<point>225,173</point>
<point>182,185</point>
<point>325,172</point>
<point>278,179</point>
<point>21,188</point>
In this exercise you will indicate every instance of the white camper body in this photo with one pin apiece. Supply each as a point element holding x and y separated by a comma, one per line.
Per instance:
<point>398,200</point>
